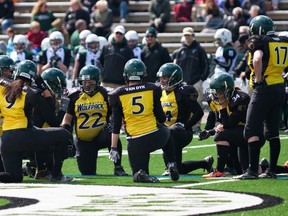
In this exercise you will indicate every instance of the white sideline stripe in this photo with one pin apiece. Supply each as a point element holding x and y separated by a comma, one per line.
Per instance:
<point>203,183</point>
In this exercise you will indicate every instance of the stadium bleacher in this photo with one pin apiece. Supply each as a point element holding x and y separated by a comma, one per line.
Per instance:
<point>138,20</point>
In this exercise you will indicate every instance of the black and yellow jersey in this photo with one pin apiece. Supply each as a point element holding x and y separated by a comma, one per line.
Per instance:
<point>179,105</point>
<point>234,115</point>
<point>275,57</point>
<point>17,114</point>
<point>91,113</point>
<point>139,105</point>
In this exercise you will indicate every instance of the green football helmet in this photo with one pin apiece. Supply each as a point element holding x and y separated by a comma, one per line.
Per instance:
<point>26,69</point>
<point>88,73</point>
<point>221,82</point>
<point>173,72</point>
<point>7,66</point>
<point>134,70</point>
<point>55,79</point>
<point>261,25</point>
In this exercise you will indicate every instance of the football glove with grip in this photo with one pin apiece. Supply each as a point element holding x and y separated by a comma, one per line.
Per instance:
<point>114,155</point>
<point>205,134</point>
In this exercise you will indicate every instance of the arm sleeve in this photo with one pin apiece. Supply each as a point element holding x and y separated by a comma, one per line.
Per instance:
<point>158,110</point>
<point>198,113</point>
<point>117,113</point>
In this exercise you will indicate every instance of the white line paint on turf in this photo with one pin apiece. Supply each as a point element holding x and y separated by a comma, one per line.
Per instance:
<point>65,199</point>
<point>204,183</point>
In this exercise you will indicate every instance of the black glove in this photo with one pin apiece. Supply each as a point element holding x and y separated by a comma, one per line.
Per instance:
<point>54,60</point>
<point>64,103</point>
<point>108,127</point>
<point>205,134</point>
<point>40,83</point>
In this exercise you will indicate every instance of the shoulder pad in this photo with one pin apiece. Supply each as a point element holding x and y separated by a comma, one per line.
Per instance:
<point>238,97</point>
<point>189,90</point>
<point>4,82</point>
<point>73,91</point>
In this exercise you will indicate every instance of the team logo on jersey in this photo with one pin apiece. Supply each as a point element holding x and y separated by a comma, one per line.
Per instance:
<point>90,106</point>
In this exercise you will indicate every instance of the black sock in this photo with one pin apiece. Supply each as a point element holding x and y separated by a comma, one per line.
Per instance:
<point>254,154</point>
<point>274,153</point>
<point>222,156</point>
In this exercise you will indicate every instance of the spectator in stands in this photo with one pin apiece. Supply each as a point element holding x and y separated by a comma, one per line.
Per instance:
<point>192,58</point>
<point>213,16</point>
<point>229,5</point>
<point>20,50</point>
<point>74,13</point>
<point>159,11</point>
<point>58,26</point>
<point>234,21</point>
<point>89,5</point>
<point>35,36</point>
<point>113,57</point>
<point>41,14</point>
<point>182,11</point>
<point>57,55</point>
<point>101,19</point>
<point>6,14</point>
<point>247,4</point>
<point>253,12</point>
<point>154,55</point>
<point>80,25</point>
<point>10,33</point>
<point>132,41</point>
<point>119,8</point>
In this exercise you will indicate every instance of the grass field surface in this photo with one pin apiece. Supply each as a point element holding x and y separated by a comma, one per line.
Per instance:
<point>277,188</point>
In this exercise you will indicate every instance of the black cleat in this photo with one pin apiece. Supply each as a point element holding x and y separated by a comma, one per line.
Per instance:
<point>142,176</point>
<point>209,160</point>
<point>119,171</point>
<point>174,174</point>
<point>264,163</point>
<point>247,175</point>
<point>268,174</point>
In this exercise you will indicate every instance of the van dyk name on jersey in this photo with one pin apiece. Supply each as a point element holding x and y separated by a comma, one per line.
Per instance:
<point>90,106</point>
<point>133,88</point>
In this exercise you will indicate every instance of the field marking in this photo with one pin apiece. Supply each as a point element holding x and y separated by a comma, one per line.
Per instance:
<point>82,200</point>
<point>204,183</point>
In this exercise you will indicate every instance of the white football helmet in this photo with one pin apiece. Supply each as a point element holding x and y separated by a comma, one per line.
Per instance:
<point>20,43</point>
<point>92,42</point>
<point>83,34</point>
<point>103,41</point>
<point>223,36</point>
<point>56,40</point>
<point>131,35</point>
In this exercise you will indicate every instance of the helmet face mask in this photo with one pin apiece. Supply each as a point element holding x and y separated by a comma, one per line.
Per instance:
<point>20,43</point>
<point>134,70</point>
<point>170,75</point>
<point>221,87</point>
<point>92,43</point>
<point>56,40</point>
<point>89,79</point>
